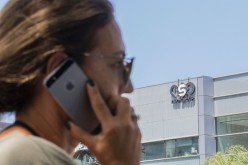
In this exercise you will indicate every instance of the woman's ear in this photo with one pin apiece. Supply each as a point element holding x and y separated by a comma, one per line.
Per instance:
<point>54,61</point>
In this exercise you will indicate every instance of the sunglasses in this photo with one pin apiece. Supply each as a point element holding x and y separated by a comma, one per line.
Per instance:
<point>127,64</point>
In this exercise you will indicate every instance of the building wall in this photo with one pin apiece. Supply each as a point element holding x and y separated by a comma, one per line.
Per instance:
<point>6,119</point>
<point>206,118</point>
<point>160,119</point>
<point>231,110</point>
<point>231,94</point>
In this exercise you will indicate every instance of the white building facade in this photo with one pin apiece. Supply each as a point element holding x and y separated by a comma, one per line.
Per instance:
<point>185,121</point>
<point>6,119</point>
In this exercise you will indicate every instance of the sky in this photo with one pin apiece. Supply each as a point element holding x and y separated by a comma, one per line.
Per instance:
<point>180,39</point>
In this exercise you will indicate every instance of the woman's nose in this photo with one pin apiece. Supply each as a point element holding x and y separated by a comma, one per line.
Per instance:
<point>128,88</point>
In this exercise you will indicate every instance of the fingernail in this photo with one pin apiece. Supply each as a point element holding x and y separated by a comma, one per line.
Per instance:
<point>68,125</point>
<point>91,82</point>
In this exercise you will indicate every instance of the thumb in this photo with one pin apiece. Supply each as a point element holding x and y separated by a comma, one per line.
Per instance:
<point>81,135</point>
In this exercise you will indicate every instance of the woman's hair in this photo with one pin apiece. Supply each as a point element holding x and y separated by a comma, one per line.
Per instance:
<point>32,30</point>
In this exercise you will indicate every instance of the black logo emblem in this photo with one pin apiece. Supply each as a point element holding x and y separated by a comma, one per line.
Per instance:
<point>183,93</point>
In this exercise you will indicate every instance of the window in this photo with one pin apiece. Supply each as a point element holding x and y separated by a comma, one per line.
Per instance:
<point>232,124</point>
<point>224,142</point>
<point>231,130</point>
<point>153,151</point>
<point>186,147</point>
<point>170,148</point>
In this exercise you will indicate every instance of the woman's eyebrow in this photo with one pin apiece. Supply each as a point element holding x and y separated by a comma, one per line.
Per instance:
<point>116,55</point>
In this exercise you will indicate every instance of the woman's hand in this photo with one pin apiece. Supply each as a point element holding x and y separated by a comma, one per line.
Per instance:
<point>119,141</point>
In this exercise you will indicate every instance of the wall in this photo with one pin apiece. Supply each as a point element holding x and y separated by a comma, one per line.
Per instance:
<point>160,119</point>
<point>231,94</point>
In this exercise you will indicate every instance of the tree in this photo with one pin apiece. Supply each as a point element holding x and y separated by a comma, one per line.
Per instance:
<point>235,155</point>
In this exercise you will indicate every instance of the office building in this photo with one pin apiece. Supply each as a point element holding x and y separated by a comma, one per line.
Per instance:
<point>185,121</point>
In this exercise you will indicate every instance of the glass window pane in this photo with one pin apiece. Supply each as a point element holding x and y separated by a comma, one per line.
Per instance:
<point>170,148</point>
<point>186,147</point>
<point>195,147</point>
<point>224,142</point>
<point>153,151</point>
<point>232,124</point>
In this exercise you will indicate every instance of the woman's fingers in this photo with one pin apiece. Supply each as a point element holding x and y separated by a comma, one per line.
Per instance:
<point>120,135</point>
<point>119,105</point>
<point>99,106</point>
<point>81,135</point>
<point>122,107</point>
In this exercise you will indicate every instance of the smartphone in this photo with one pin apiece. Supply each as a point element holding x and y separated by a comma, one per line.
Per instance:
<point>67,84</point>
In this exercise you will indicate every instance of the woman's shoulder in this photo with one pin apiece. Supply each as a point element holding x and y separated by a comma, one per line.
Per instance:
<point>16,148</point>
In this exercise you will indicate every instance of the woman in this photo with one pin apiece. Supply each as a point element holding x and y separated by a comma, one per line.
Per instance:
<point>36,36</point>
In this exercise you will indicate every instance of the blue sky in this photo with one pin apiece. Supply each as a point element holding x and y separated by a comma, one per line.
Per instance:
<point>177,39</point>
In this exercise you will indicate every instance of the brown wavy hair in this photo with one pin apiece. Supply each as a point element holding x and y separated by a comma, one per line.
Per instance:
<point>32,30</point>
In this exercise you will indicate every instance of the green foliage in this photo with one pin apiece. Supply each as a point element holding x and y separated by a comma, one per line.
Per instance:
<point>235,155</point>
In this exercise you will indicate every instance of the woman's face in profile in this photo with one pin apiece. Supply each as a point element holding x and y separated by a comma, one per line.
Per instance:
<point>104,63</point>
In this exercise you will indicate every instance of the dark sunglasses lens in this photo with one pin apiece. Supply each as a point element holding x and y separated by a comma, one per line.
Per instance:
<point>127,71</point>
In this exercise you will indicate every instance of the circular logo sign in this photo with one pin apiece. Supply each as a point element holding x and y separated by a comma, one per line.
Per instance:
<point>183,93</point>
